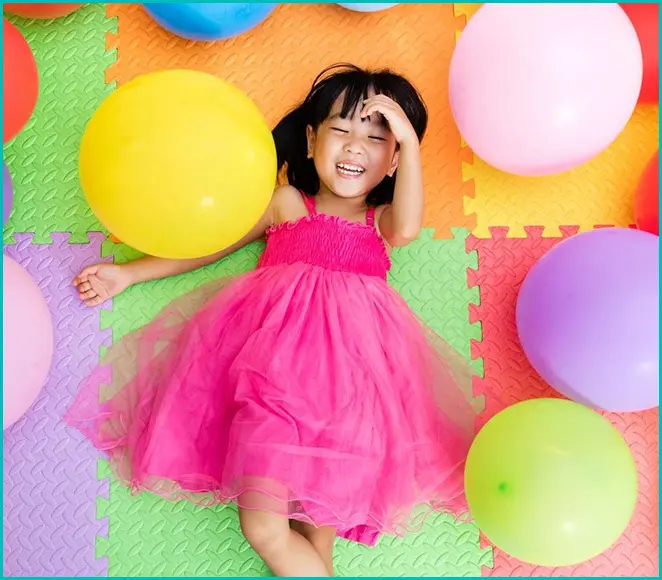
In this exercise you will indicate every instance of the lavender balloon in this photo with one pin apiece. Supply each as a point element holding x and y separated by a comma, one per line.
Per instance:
<point>7,194</point>
<point>588,318</point>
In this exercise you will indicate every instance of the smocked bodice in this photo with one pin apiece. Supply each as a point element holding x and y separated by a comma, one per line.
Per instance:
<point>328,242</point>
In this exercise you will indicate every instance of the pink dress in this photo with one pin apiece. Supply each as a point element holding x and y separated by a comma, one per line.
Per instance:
<point>306,387</point>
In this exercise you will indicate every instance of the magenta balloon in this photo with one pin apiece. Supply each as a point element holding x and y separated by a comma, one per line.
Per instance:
<point>588,318</point>
<point>27,341</point>
<point>538,89</point>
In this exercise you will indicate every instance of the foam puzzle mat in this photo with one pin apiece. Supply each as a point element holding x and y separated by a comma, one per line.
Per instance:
<point>63,514</point>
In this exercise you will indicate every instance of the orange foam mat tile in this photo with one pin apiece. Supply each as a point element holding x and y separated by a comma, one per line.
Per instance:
<point>508,378</point>
<point>599,192</point>
<point>276,62</point>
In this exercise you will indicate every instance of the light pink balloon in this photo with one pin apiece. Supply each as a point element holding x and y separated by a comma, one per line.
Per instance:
<point>538,89</point>
<point>27,341</point>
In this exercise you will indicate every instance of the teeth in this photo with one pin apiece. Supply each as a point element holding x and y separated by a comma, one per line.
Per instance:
<point>353,169</point>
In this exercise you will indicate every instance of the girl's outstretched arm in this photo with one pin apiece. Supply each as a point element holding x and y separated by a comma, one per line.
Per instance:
<point>99,282</point>
<point>401,222</point>
<point>151,267</point>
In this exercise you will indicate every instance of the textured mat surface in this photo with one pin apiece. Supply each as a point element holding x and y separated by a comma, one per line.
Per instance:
<point>599,192</point>
<point>508,378</point>
<point>43,159</point>
<point>50,475</point>
<point>276,62</point>
<point>151,537</point>
<point>49,478</point>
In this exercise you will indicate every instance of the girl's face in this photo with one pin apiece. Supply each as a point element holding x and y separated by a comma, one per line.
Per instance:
<point>353,155</point>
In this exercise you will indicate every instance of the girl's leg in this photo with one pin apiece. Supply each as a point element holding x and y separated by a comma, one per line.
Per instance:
<point>284,550</point>
<point>322,539</point>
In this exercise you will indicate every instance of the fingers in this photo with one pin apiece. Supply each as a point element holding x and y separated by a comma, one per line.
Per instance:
<point>380,101</point>
<point>84,274</point>
<point>380,104</point>
<point>87,292</point>
<point>94,301</point>
<point>88,295</point>
<point>395,117</point>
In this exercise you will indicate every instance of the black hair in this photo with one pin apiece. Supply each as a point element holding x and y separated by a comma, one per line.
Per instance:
<point>355,84</point>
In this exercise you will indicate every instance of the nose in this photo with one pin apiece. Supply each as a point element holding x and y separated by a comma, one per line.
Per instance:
<point>353,145</point>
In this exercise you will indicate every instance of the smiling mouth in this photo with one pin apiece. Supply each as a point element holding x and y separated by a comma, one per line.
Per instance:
<point>350,169</point>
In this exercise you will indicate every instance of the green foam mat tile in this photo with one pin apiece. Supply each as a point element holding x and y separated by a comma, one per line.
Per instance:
<point>152,537</point>
<point>431,275</point>
<point>43,158</point>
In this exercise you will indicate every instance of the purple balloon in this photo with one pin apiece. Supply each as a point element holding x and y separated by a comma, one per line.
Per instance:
<point>588,318</point>
<point>7,194</point>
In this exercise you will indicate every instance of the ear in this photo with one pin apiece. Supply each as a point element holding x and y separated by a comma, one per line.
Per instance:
<point>310,137</point>
<point>394,164</point>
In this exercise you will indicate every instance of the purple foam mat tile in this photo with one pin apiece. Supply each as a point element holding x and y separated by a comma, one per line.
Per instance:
<point>50,471</point>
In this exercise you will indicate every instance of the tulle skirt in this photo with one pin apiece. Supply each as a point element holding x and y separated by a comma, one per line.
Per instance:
<point>306,392</point>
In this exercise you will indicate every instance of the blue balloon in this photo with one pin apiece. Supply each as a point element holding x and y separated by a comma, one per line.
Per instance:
<point>367,6</point>
<point>204,21</point>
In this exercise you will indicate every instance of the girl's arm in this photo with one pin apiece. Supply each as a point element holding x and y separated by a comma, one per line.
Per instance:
<point>401,221</point>
<point>100,282</point>
<point>151,267</point>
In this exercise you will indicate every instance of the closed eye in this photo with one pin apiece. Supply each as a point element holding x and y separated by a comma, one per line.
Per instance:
<point>376,138</point>
<point>339,130</point>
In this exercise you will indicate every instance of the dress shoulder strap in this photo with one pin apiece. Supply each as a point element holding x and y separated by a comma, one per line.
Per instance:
<point>309,201</point>
<point>370,217</point>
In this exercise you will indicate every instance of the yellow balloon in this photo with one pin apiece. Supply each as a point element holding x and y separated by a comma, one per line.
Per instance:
<point>178,164</point>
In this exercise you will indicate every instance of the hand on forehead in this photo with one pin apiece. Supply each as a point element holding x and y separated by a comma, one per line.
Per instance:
<point>336,111</point>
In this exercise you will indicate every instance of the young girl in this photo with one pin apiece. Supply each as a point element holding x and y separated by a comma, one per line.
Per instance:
<point>305,391</point>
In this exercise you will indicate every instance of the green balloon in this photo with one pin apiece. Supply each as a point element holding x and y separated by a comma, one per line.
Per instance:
<point>551,482</point>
